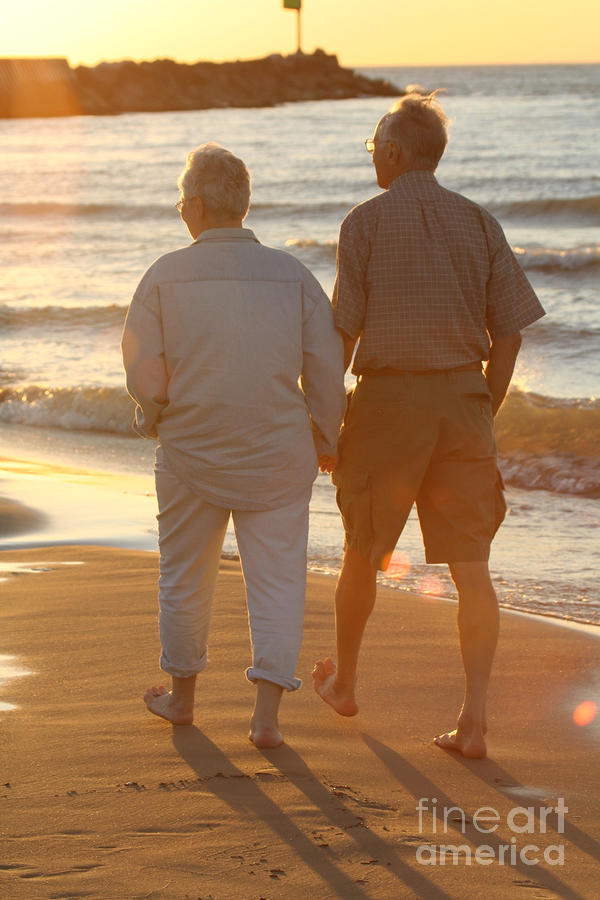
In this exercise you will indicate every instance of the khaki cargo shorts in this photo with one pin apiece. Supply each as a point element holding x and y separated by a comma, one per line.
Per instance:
<point>426,439</point>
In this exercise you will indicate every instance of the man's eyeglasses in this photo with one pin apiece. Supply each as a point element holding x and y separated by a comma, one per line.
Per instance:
<point>370,143</point>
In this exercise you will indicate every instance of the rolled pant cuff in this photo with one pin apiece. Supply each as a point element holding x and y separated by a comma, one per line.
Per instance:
<point>288,684</point>
<point>178,671</point>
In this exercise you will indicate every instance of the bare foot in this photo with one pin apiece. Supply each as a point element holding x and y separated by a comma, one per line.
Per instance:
<point>325,684</point>
<point>471,743</point>
<point>266,737</point>
<point>160,702</point>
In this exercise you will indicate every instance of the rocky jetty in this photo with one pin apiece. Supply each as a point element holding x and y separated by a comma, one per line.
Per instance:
<point>38,87</point>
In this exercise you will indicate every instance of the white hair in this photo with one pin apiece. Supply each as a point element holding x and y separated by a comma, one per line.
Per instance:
<point>418,124</point>
<point>219,178</point>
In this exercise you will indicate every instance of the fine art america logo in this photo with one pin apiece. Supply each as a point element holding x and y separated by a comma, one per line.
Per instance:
<point>519,849</point>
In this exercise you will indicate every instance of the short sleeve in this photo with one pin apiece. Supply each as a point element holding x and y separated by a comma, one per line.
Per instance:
<point>350,291</point>
<point>511,303</point>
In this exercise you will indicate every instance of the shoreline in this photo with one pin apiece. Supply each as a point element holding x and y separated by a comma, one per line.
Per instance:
<point>100,797</point>
<point>94,489</point>
<point>5,571</point>
<point>56,498</point>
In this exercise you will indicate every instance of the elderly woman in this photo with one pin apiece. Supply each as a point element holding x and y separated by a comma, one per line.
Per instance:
<point>234,363</point>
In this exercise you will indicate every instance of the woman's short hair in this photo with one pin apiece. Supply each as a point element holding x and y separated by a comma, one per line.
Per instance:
<point>418,124</point>
<point>219,178</point>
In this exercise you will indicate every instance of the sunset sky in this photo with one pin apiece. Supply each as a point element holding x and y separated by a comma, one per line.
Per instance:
<point>361,32</point>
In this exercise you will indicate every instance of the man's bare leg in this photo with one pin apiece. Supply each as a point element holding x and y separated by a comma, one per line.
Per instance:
<point>478,622</point>
<point>264,727</point>
<point>354,601</point>
<point>177,705</point>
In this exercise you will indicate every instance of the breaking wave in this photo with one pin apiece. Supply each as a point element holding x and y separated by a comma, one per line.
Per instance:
<point>543,442</point>
<point>73,409</point>
<point>550,444</point>
<point>310,250</point>
<point>535,424</point>
<point>549,260</point>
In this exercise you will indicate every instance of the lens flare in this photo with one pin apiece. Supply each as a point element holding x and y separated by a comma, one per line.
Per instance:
<point>585,713</point>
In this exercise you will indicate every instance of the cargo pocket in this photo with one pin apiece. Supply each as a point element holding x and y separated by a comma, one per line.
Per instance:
<point>353,497</point>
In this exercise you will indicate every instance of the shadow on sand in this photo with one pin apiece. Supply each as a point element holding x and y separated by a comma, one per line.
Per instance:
<point>420,786</point>
<point>245,796</point>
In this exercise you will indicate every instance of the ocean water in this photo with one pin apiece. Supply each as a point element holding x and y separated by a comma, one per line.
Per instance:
<point>86,204</point>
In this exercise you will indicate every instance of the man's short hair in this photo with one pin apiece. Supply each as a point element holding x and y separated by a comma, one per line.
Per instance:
<point>418,124</point>
<point>219,178</point>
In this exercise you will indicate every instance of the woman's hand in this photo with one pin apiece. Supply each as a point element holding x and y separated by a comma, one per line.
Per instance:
<point>327,463</point>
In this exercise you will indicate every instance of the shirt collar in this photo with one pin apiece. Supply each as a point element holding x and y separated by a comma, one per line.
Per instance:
<point>227,234</point>
<point>414,177</point>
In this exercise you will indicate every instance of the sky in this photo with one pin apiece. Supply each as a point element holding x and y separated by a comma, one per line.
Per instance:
<point>361,32</point>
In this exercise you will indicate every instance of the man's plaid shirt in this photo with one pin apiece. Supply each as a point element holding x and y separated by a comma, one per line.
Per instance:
<point>425,277</point>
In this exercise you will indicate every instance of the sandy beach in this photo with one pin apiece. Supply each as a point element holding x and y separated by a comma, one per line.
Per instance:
<point>101,799</point>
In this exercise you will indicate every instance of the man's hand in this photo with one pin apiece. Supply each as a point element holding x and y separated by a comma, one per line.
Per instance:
<point>327,463</point>
<point>349,344</point>
<point>499,370</point>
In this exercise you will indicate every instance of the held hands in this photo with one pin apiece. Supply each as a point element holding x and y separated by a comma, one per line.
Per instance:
<point>327,463</point>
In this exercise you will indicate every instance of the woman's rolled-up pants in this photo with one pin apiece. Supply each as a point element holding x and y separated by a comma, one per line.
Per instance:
<point>272,547</point>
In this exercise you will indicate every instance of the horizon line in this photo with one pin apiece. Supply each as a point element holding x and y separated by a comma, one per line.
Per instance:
<point>363,65</point>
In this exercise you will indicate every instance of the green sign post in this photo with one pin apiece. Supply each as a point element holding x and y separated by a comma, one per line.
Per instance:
<point>297,5</point>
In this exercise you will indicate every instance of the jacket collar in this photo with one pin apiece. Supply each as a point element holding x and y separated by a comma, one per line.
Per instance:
<point>226,234</point>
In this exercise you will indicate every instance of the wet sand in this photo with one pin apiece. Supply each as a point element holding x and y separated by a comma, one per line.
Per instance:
<point>101,799</point>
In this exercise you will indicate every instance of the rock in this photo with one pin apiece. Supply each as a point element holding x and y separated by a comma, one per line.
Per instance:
<point>51,88</point>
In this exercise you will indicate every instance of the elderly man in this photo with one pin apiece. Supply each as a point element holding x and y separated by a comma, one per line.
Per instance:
<point>234,362</point>
<point>428,285</point>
